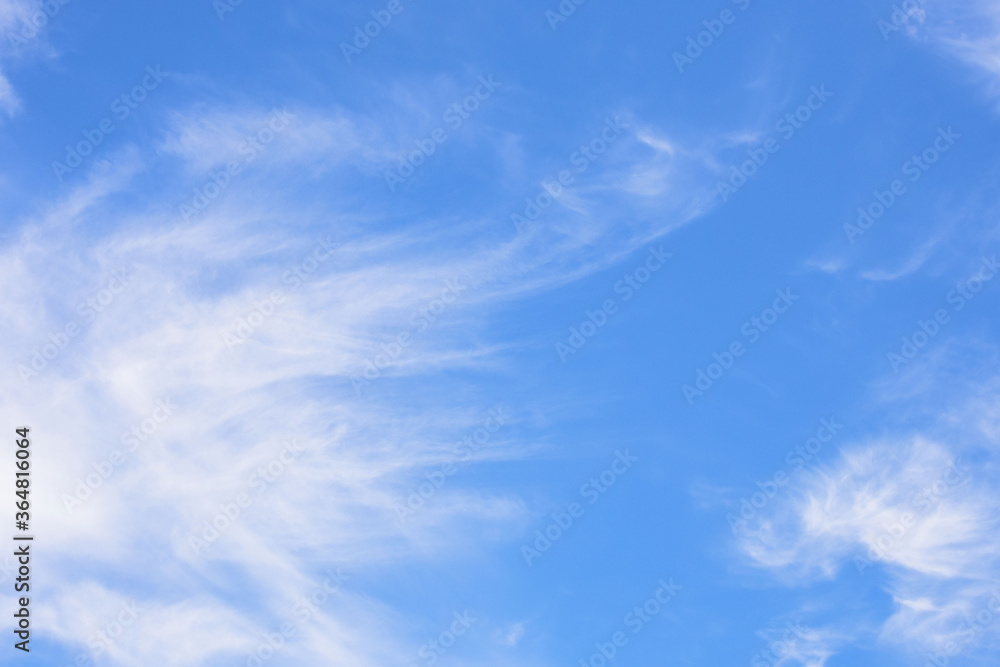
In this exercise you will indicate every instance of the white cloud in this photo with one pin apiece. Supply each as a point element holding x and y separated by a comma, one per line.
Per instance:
<point>969,31</point>
<point>209,139</point>
<point>9,101</point>
<point>22,26</point>
<point>792,645</point>
<point>161,337</point>
<point>909,508</point>
<point>910,266</point>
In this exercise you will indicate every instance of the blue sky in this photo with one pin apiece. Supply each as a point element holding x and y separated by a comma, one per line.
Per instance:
<point>661,334</point>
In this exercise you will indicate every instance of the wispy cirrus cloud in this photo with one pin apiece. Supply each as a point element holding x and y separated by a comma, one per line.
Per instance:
<point>968,31</point>
<point>914,509</point>
<point>190,282</point>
